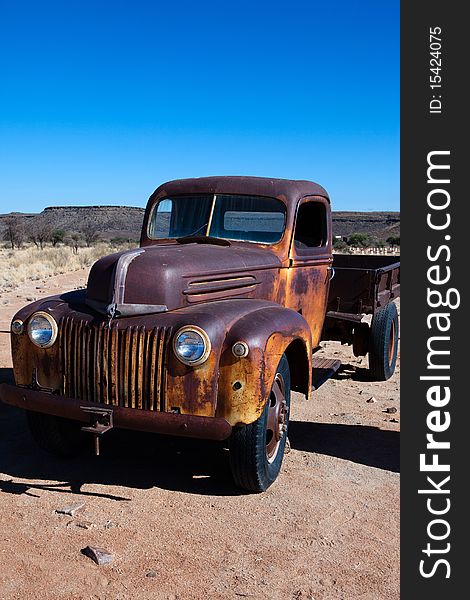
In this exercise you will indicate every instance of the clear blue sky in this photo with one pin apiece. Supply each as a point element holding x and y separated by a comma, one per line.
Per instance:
<point>102,101</point>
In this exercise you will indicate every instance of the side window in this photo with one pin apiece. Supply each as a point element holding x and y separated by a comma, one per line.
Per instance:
<point>160,224</point>
<point>311,229</point>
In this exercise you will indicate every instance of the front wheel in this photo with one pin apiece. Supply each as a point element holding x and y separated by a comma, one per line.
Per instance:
<point>257,449</point>
<point>56,435</point>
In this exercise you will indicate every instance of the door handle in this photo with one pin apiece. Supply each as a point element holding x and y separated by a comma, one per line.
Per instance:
<point>331,272</point>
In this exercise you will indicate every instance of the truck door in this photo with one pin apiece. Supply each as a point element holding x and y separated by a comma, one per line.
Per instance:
<point>310,264</point>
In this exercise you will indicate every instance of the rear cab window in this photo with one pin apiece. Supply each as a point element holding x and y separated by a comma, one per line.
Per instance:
<point>311,232</point>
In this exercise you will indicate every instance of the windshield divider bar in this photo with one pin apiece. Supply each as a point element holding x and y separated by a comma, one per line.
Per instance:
<point>209,224</point>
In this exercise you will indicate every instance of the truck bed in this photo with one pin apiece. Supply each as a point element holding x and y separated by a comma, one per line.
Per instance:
<point>362,284</point>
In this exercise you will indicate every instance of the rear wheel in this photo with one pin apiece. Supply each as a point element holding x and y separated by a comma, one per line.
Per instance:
<point>257,449</point>
<point>54,434</point>
<point>383,343</point>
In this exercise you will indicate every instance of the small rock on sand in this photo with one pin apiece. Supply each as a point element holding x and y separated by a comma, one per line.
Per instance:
<point>99,555</point>
<point>70,509</point>
<point>81,524</point>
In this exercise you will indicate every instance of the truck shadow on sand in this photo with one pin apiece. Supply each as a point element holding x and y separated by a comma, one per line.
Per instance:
<point>369,446</point>
<point>143,461</point>
<point>128,459</point>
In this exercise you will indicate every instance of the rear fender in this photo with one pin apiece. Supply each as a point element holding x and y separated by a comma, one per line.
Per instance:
<point>245,383</point>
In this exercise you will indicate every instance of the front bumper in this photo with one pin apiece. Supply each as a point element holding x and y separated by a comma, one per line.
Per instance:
<point>210,428</point>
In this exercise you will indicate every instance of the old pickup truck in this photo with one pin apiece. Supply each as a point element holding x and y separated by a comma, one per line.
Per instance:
<point>204,330</point>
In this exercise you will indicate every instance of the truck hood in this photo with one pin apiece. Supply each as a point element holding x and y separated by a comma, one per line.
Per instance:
<point>170,276</point>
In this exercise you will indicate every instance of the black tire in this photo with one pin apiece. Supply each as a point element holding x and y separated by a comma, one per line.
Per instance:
<point>56,435</point>
<point>383,343</point>
<point>257,449</point>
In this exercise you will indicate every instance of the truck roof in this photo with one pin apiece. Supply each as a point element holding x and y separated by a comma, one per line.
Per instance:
<point>289,190</point>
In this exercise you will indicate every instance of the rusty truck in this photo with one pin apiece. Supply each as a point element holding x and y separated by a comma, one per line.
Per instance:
<point>205,329</point>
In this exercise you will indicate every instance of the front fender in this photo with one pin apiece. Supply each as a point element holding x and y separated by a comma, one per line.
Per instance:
<point>245,383</point>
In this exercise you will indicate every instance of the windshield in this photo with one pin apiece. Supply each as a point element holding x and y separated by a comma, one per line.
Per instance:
<point>226,216</point>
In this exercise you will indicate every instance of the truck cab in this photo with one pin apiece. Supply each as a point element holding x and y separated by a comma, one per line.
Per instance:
<point>202,331</point>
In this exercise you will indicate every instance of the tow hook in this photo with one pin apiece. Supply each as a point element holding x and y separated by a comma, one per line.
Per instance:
<point>101,422</point>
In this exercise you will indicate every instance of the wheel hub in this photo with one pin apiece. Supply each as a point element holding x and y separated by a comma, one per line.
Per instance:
<point>276,422</point>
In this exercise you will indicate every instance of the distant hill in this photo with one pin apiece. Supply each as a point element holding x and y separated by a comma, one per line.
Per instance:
<point>381,225</point>
<point>112,221</point>
<point>126,222</point>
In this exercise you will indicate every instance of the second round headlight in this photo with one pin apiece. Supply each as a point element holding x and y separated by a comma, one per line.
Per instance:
<point>192,345</point>
<point>42,329</point>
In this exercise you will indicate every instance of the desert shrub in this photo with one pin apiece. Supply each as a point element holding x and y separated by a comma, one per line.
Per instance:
<point>57,237</point>
<point>361,240</point>
<point>339,245</point>
<point>118,241</point>
<point>393,240</point>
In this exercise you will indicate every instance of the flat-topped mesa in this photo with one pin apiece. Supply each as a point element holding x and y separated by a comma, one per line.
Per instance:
<point>108,219</point>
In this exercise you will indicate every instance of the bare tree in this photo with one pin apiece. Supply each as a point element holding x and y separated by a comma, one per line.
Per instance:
<point>40,233</point>
<point>14,232</point>
<point>90,231</point>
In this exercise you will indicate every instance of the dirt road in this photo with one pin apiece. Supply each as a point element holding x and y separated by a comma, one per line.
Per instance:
<point>167,510</point>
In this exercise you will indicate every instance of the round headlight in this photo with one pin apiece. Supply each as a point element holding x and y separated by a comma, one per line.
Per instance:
<point>42,329</point>
<point>191,345</point>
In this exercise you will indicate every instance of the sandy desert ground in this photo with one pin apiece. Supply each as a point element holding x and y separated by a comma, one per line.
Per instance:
<point>328,529</point>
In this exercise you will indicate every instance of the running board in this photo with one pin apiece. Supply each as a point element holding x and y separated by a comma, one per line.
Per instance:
<point>323,369</point>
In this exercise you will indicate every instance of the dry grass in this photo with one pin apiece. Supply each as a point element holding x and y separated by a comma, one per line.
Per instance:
<point>33,264</point>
